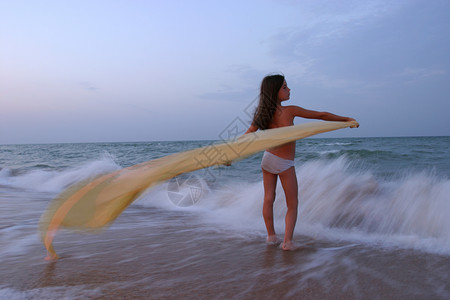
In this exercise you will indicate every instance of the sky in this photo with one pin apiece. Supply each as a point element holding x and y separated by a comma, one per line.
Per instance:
<point>134,70</point>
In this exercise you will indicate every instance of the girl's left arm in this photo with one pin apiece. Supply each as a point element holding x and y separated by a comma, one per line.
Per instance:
<point>252,128</point>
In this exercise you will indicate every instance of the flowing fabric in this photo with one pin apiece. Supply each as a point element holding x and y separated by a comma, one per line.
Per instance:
<point>94,204</point>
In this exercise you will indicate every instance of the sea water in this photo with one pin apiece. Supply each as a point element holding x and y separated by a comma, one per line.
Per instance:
<point>365,194</point>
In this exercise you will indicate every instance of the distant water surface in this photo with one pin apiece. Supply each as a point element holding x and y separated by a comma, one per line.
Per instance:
<point>376,212</point>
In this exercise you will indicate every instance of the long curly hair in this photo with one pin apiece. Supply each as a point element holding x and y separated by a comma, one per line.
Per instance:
<point>268,101</point>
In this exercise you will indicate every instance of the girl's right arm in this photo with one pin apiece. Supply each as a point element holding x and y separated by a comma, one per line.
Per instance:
<point>312,114</point>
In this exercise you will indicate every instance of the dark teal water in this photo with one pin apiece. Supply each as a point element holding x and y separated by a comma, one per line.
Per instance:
<point>385,157</point>
<point>364,193</point>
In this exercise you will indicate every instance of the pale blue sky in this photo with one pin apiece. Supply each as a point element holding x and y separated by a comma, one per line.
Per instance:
<point>95,71</point>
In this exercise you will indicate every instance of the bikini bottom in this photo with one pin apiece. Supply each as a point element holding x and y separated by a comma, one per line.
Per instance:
<point>274,164</point>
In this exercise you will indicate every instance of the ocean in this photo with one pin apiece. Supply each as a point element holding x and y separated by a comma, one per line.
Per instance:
<point>375,212</point>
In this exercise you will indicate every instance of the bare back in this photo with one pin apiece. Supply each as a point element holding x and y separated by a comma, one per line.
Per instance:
<point>283,116</point>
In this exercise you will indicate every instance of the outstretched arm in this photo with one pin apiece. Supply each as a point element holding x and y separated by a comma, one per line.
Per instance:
<point>312,114</point>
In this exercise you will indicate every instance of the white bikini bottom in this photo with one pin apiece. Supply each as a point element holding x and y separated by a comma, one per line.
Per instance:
<point>274,164</point>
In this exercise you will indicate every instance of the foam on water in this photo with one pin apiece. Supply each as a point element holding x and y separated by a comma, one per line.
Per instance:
<point>5,173</point>
<point>412,211</point>
<point>337,203</point>
<point>60,292</point>
<point>54,180</point>
<point>20,239</point>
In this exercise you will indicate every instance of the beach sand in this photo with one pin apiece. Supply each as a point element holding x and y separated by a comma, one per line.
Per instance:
<point>182,261</point>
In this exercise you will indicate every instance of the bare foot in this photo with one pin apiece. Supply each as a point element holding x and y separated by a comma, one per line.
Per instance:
<point>272,240</point>
<point>51,257</point>
<point>290,246</point>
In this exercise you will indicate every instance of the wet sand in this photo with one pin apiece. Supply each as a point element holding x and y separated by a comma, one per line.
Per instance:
<point>184,261</point>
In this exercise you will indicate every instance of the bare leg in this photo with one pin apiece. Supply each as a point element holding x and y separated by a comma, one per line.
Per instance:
<point>288,180</point>
<point>270,184</point>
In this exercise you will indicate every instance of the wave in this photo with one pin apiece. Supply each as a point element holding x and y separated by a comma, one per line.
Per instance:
<point>336,202</point>
<point>413,208</point>
<point>362,154</point>
<point>54,181</point>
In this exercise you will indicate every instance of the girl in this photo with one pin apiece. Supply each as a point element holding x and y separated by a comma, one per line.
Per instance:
<point>279,161</point>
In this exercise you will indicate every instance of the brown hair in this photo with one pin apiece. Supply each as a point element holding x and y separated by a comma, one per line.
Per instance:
<point>268,101</point>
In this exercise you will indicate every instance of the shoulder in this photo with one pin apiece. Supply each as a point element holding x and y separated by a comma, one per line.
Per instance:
<point>297,111</point>
<point>293,109</point>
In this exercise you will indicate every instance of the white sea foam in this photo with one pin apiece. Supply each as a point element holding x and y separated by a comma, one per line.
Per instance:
<point>412,211</point>
<point>62,292</point>
<point>55,181</point>
<point>337,144</point>
<point>328,152</point>
<point>5,173</point>
<point>337,203</point>
<point>19,238</point>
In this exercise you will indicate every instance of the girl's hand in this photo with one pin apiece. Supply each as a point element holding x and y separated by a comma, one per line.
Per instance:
<point>227,163</point>
<point>355,125</point>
